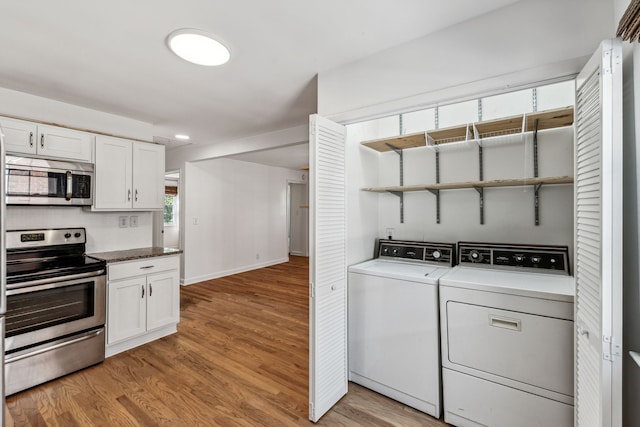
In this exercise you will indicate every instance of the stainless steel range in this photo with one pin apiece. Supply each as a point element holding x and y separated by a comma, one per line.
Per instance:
<point>56,303</point>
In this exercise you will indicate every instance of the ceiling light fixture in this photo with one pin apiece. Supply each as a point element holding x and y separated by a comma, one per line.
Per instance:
<point>198,47</point>
<point>182,137</point>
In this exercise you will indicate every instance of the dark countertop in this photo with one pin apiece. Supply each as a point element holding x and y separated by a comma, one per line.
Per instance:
<point>132,254</point>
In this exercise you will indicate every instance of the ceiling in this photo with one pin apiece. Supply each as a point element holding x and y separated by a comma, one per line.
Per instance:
<point>112,56</point>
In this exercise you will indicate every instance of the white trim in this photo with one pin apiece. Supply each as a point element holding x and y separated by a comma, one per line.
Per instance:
<point>145,338</point>
<point>203,278</point>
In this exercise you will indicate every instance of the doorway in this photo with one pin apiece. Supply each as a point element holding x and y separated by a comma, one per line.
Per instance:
<point>171,212</point>
<point>298,219</point>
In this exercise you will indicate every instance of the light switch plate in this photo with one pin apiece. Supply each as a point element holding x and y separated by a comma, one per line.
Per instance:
<point>133,221</point>
<point>123,221</point>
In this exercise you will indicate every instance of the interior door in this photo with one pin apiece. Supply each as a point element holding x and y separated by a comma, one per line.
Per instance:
<point>327,266</point>
<point>598,239</point>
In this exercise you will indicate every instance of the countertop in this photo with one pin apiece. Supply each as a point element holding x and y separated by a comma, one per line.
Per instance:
<point>133,254</point>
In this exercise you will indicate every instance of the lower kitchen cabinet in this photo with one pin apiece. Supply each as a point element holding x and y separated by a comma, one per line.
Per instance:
<point>143,302</point>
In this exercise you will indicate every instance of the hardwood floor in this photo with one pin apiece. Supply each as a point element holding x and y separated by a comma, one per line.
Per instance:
<point>240,358</point>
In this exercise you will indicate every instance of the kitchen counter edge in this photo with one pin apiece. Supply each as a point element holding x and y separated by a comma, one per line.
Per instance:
<point>134,254</point>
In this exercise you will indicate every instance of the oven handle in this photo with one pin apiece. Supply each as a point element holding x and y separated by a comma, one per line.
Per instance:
<point>66,342</point>
<point>19,288</point>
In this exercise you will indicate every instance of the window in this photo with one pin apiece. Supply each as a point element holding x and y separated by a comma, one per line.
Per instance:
<point>170,210</point>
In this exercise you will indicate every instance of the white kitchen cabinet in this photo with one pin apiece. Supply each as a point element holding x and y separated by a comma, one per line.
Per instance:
<point>23,137</point>
<point>143,302</point>
<point>129,175</point>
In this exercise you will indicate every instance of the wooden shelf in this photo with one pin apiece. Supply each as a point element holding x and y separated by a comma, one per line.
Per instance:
<point>549,119</point>
<point>304,168</point>
<point>518,182</point>
<point>519,124</point>
<point>399,142</point>
<point>304,206</point>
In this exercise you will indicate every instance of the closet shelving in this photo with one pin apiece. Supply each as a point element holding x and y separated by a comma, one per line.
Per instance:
<point>474,135</point>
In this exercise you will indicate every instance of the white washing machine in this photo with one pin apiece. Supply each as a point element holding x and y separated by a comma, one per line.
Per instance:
<point>507,337</point>
<point>394,333</point>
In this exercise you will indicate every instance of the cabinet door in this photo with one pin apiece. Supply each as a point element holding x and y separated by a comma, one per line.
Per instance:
<point>163,304</point>
<point>113,185</point>
<point>126,315</point>
<point>148,176</point>
<point>19,136</point>
<point>64,143</point>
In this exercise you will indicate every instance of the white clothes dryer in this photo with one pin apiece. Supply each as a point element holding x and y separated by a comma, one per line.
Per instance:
<point>394,335</point>
<point>507,336</point>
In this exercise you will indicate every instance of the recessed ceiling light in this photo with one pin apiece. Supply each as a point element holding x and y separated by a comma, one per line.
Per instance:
<point>182,137</point>
<point>198,47</point>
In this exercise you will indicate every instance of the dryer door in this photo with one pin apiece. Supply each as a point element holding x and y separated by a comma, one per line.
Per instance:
<point>532,349</point>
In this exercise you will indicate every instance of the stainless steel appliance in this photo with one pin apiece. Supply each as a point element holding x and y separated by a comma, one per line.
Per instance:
<point>3,271</point>
<point>32,181</point>
<point>56,304</point>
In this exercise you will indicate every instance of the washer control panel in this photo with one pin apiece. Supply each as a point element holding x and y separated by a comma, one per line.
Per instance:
<point>543,259</point>
<point>434,253</point>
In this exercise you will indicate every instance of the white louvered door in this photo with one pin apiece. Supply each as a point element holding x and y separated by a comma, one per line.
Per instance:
<point>328,380</point>
<point>598,239</point>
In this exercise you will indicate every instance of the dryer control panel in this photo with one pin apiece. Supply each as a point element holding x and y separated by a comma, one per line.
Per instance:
<point>428,252</point>
<point>541,259</point>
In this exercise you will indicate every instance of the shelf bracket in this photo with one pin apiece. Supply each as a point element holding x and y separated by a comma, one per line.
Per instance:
<point>437,194</point>
<point>480,162</point>
<point>537,203</point>
<point>400,194</point>
<point>535,151</point>
<point>480,191</point>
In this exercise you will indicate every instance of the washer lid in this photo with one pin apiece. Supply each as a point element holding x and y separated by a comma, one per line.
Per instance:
<point>402,270</point>
<point>536,285</point>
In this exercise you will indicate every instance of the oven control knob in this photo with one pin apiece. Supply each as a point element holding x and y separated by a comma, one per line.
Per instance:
<point>67,235</point>
<point>77,235</point>
<point>436,254</point>
<point>519,258</point>
<point>536,259</point>
<point>395,251</point>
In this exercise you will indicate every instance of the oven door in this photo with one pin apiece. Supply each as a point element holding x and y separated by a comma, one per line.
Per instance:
<point>43,310</point>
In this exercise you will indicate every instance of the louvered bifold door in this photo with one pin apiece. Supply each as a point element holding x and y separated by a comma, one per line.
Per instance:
<point>598,239</point>
<point>327,266</point>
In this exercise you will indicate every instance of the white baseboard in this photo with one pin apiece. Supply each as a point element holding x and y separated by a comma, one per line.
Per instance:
<point>217,275</point>
<point>139,340</point>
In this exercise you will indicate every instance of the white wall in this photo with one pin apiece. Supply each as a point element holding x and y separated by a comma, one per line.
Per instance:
<point>631,248</point>
<point>38,108</point>
<point>235,216</point>
<point>103,233</point>
<point>529,41</point>
<point>508,212</point>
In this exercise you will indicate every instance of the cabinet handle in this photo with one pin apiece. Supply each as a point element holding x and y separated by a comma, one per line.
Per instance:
<point>128,195</point>
<point>136,194</point>
<point>146,266</point>
<point>150,289</point>
<point>42,140</point>
<point>30,139</point>
<point>143,292</point>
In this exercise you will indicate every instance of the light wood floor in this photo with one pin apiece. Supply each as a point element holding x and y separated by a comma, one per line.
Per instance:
<point>240,358</point>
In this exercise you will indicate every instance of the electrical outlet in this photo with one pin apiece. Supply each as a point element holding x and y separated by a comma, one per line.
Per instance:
<point>257,256</point>
<point>390,233</point>
<point>133,221</point>
<point>195,221</point>
<point>123,221</point>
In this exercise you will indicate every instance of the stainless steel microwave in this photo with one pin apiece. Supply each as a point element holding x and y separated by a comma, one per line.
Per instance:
<point>33,181</point>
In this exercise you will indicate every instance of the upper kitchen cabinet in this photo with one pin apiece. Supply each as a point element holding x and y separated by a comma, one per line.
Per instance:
<point>24,137</point>
<point>129,175</point>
